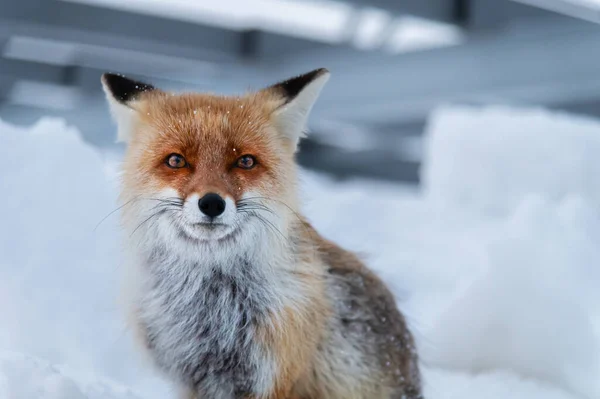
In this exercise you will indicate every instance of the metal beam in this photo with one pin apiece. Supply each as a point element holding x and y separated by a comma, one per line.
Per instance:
<point>107,28</point>
<point>471,14</point>
<point>6,84</point>
<point>276,47</point>
<point>86,78</point>
<point>582,10</point>
<point>440,10</point>
<point>499,14</point>
<point>376,163</point>
<point>161,48</point>
<point>536,63</point>
<point>17,70</point>
<point>87,24</point>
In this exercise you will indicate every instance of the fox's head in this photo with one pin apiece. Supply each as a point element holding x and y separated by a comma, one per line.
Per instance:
<point>204,170</point>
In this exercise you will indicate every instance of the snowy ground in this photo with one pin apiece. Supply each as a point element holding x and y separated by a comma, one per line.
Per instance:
<point>495,262</point>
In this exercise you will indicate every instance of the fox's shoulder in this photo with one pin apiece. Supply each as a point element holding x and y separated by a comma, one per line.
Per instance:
<point>363,305</point>
<point>336,258</point>
<point>345,267</point>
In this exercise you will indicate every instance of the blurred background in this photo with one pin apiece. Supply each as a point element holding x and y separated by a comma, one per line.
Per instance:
<point>455,146</point>
<point>392,62</point>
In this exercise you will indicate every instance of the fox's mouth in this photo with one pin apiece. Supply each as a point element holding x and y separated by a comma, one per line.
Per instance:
<point>207,231</point>
<point>209,225</point>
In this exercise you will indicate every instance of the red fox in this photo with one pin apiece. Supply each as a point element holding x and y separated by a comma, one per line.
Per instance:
<point>230,291</point>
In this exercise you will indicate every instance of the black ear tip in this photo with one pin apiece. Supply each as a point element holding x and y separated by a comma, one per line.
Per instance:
<point>321,71</point>
<point>312,75</point>
<point>291,87</point>
<point>107,78</point>
<point>111,79</point>
<point>124,89</point>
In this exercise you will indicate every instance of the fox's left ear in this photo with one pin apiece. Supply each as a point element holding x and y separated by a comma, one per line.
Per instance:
<point>299,95</point>
<point>122,94</point>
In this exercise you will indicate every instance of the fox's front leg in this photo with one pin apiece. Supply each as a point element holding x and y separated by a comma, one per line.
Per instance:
<point>292,339</point>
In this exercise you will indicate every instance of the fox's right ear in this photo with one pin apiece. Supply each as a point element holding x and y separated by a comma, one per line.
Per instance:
<point>298,96</point>
<point>122,94</point>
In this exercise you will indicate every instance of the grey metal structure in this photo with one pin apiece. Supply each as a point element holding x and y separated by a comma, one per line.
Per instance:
<point>543,52</point>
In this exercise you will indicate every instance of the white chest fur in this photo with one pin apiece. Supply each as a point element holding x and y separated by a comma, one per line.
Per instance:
<point>200,318</point>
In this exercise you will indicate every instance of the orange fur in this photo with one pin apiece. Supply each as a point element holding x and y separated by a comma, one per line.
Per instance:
<point>211,133</point>
<point>292,338</point>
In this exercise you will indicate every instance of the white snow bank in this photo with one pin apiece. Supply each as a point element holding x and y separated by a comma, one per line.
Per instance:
<point>503,304</point>
<point>58,272</point>
<point>443,384</point>
<point>489,158</point>
<point>531,305</point>
<point>23,376</point>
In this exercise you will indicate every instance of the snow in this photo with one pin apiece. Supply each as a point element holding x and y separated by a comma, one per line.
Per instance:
<point>475,161</point>
<point>58,272</point>
<point>23,376</point>
<point>493,262</point>
<point>531,305</point>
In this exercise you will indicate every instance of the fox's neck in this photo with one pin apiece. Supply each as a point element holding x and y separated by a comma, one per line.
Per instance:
<point>269,251</point>
<point>278,262</point>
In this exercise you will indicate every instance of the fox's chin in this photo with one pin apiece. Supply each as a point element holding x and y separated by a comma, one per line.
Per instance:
<point>208,232</point>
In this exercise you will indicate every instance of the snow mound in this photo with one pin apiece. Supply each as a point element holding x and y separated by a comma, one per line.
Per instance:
<point>533,307</point>
<point>59,265</point>
<point>25,377</point>
<point>443,384</point>
<point>513,187</point>
<point>489,158</point>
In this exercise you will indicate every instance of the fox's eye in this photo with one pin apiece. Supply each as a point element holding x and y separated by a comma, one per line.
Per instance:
<point>246,162</point>
<point>176,161</point>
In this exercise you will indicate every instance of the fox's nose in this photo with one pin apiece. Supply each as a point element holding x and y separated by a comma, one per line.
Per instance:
<point>212,205</point>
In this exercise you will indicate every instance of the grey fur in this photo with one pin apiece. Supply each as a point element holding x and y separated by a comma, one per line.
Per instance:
<point>201,325</point>
<point>368,320</point>
<point>368,336</point>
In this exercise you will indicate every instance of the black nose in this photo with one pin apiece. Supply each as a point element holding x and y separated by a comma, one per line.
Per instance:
<point>212,205</point>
